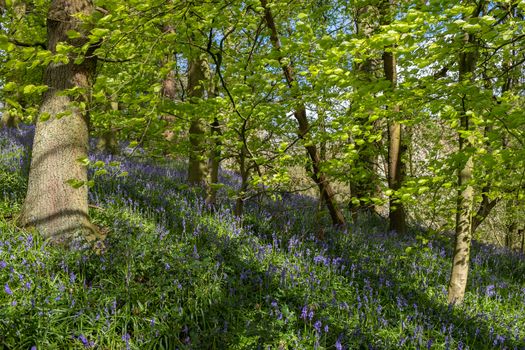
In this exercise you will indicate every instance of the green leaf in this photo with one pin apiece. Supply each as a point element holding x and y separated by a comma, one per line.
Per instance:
<point>99,164</point>
<point>29,89</point>
<point>302,15</point>
<point>73,34</point>
<point>84,161</point>
<point>44,117</point>
<point>75,183</point>
<point>11,86</point>
<point>101,172</point>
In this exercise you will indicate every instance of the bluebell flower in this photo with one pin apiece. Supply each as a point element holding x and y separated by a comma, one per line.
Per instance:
<point>126,337</point>
<point>7,289</point>
<point>304,312</point>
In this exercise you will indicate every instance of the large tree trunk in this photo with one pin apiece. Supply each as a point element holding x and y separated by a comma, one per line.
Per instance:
<point>396,213</point>
<point>52,205</point>
<point>197,166</point>
<point>325,190</point>
<point>460,261</point>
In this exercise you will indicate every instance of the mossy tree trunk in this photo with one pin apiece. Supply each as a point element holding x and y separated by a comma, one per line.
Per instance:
<point>198,163</point>
<point>52,205</point>
<point>364,182</point>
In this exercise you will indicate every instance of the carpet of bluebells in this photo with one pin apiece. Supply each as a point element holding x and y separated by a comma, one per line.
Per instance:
<point>173,274</point>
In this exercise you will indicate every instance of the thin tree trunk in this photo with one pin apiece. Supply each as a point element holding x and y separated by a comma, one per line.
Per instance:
<point>325,190</point>
<point>214,162</point>
<point>108,140</point>
<point>395,166</point>
<point>52,205</point>
<point>460,261</point>
<point>239,204</point>
<point>521,233</point>
<point>197,166</point>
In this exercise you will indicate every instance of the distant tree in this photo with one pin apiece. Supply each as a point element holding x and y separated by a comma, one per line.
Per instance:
<point>319,177</point>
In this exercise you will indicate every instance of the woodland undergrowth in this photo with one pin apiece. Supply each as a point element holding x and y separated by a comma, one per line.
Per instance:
<point>173,274</point>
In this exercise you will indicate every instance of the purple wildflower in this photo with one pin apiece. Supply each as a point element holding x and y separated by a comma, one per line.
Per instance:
<point>304,312</point>
<point>72,277</point>
<point>7,289</point>
<point>338,345</point>
<point>317,326</point>
<point>126,337</point>
<point>490,291</point>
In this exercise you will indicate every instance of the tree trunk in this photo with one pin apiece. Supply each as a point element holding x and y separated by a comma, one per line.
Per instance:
<point>108,140</point>
<point>52,205</point>
<point>214,163</point>
<point>214,160</point>
<point>521,233</point>
<point>396,213</point>
<point>364,180</point>
<point>197,166</point>
<point>460,261</point>
<point>396,168</point>
<point>325,190</point>
<point>244,172</point>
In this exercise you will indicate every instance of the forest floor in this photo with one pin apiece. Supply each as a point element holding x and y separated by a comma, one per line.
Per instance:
<point>173,274</point>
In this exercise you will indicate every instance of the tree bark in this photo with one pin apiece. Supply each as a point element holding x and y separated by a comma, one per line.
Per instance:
<point>364,180</point>
<point>320,179</point>
<point>108,140</point>
<point>214,162</point>
<point>241,194</point>
<point>460,260</point>
<point>197,166</point>
<point>396,169</point>
<point>52,205</point>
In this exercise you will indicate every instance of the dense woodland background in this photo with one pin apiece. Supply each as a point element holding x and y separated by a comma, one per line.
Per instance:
<point>278,160</point>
